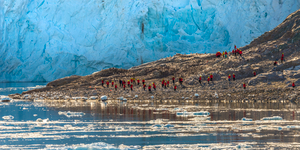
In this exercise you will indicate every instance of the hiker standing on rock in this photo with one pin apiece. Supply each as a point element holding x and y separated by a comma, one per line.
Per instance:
<point>229,76</point>
<point>275,63</point>
<point>120,81</point>
<point>208,80</point>
<point>102,82</point>
<point>128,83</point>
<point>107,83</point>
<point>144,86</point>
<point>154,86</point>
<point>244,85</point>
<point>143,81</point>
<point>211,77</point>
<point>134,81</point>
<point>233,77</point>
<point>282,58</point>
<point>200,78</point>
<point>131,80</point>
<point>175,87</point>
<point>116,86</point>
<point>293,84</point>
<point>168,82</point>
<point>123,82</point>
<point>240,52</point>
<point>180,80</point>
<point>149,87</point>
<point>124,86</point>
<point>131,87</point>
<point>165,85</point>
<point>138,81</point>
<point>173,78</point>
<point>112,83</point>
<point>254,73</point>
<point>218,54</point>
<point>162,83</point>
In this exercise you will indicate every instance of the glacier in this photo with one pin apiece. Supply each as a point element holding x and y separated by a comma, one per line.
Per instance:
<point>43,40</point>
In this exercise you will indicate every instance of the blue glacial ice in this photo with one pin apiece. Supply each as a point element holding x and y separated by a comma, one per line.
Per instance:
<point>43,40</point>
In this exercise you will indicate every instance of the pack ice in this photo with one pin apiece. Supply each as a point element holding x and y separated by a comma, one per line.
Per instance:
<point>43,40</point>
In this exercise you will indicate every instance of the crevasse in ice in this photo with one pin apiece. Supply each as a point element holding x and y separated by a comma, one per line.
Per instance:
<point>43,40</point>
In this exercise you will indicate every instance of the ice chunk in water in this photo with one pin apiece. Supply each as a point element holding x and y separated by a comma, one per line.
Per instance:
<point>71,114</point>
<point>104,97</point>
<point>200,113</point>
<point>9,117</point>
<point>272,118</point>
<point>246,119</point>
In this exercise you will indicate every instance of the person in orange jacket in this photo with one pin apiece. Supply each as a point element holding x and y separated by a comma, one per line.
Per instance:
<point>208,80</point>
<point>233,77</point>
<point>128,83</point>
<point>149,87</point>
<point>244,85</point>
<point>143,81</point>
<point>293,84</point>
<point>116,87</point>
<point>211,77</point>
<point>107,83</point>
<point>229,76</point>
<point>254,73</point>
<point>282,58</point>
<point>131,87</point>
<point>200,78</point>
<point>173,78</point>
<point>175,87</point>
<point>144,86</point>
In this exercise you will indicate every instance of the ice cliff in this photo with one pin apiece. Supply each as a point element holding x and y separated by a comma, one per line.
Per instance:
<point>42,40</point>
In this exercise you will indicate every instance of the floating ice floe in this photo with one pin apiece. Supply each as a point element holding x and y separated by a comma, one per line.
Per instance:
<point>272,118</point>
<point>9,117</point>
<point>93,97</point>
<point>246,119</point>
<point>120,98</point>
<point>71,114</point>
<point>200,113</point>
<point>104,98</point>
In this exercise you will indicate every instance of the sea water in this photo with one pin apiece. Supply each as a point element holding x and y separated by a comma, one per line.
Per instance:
<point>97,125</point>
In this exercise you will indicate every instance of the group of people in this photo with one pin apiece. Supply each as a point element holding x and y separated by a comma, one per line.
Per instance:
<point>166,83</point>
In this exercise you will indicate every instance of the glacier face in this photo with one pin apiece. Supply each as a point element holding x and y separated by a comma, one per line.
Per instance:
<point>42,40</point>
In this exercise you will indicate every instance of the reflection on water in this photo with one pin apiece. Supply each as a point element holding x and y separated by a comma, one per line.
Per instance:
<point>85,125</point>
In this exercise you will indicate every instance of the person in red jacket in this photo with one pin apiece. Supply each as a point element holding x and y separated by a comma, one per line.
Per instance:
<point>275,63</point>
<point>143,81</point>
<point>175,87</point>
<point>200,78</point>
<point>168,82</point>
<point>208,80</point>
<point>254,73</point>
<point>218,54</point>
<point>240,52</point>
<point>229,76</point>
<point>144,86</point>
<point>107,83</point>
<point>173,78</point>
<point>162,83</point>
<point>131,87</point>
<point>154,86</point>
<point>236,52</point>
<point>233,77</point>
<point>128,83</point>
<point>112,83</point>
<point>244,85</point>
<point>282,58</point>
<point>102,82</point>
<point>211,77</point>
<point>124,86</point>
<point>116,86</point>
<point>293,84</point>
<point>165,85</point>
<point>233,52</point>
<point>138,81</point>
<point>149,87</point>
<point>180,80</point>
